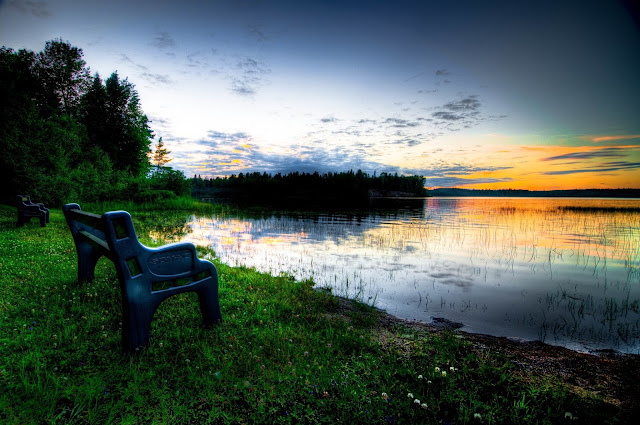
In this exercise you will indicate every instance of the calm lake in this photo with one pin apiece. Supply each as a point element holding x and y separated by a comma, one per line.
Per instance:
<point>562,270</point>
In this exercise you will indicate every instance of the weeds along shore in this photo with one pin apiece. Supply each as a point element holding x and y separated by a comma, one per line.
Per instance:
<point>285,353</point>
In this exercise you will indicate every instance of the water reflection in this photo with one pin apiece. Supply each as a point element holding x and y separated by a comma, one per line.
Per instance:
<point>560,270</point>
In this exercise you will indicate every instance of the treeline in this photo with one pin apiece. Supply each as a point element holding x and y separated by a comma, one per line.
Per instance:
<point>343,187</point>
<point>66,135</point>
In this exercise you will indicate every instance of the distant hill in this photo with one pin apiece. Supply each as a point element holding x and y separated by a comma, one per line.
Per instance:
<point>573,193</point>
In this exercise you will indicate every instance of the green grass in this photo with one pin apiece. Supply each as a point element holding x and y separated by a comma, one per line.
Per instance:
<point>184,203</point>
<point>285,353</point>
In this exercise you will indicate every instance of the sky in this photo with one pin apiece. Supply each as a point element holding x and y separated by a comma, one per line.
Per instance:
<point>487,94</point>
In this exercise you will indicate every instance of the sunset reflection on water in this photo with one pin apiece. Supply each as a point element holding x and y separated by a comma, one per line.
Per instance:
<point>565,271</point>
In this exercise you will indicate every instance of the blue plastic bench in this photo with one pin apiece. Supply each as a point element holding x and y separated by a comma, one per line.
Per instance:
<point>28,210</point>
<point>147,276</point>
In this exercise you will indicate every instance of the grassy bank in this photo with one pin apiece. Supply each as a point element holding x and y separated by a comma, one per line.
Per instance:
<point>284,354</point>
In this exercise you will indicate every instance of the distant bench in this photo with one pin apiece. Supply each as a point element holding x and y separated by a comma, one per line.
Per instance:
<point>147,275</point>
<point>28,210</point>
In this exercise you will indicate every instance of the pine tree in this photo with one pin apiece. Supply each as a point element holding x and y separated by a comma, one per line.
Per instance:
<point>160,156</point>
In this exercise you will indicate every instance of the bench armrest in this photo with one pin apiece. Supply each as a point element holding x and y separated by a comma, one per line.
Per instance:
<point>30,207</point>
<point>174,260</point>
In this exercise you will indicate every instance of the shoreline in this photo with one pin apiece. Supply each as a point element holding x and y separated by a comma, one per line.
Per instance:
<point>610,374</point>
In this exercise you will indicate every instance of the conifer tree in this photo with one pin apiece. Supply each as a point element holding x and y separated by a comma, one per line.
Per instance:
<point>161,155</point>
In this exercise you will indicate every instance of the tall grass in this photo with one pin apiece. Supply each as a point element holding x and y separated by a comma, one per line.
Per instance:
<point>183,203</point>
<point>284,354</point>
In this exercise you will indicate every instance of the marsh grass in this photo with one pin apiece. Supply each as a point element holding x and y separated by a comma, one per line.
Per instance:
<point>285,353</point>
<point>599,209</point>
<point>181,203</point>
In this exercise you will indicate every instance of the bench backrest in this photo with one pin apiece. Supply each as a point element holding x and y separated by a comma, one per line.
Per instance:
<point>23,201</point>
<point>114,235</point>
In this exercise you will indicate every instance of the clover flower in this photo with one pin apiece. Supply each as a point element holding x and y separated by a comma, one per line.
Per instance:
<point>424,406</point>
<point>437,369</point>
<point>477,416</point>
<point>419,376</point>
<point>410,395</point>
<point>444,373</point>
<point>385,396</point>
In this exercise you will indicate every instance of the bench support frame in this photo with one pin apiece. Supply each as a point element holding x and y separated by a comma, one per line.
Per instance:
<point>28,210</point>
<point>147,276</point>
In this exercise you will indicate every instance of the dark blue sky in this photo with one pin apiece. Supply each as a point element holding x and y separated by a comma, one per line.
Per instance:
<point>483,94</point>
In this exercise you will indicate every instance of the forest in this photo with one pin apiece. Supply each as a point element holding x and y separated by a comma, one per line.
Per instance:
<point>67,135</point>
<point>344,187</point>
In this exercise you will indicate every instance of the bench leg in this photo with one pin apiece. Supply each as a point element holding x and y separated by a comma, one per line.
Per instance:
<point>136,324</point>
<point>209,304</point>
<point>43,220</point>
<point>87,260</point>
<point>22,219</point>
<point>136,329</point>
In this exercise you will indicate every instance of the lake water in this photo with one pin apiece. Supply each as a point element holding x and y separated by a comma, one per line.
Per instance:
<point>564,271</point>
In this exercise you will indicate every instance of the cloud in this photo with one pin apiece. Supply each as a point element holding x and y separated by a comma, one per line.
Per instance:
<point>127,59</point>
<point>590,154</point>
<point>222,153</point>
<point>145,72</point>
<point>464,113</point>
<point>459,181</point>
<point>159,121</point>
<point>444,170</point>
<point>407,142</point>
<point>328,119</point>
<point>195,60</point>
<point>611,138</point>
<point>415,76</point>
<point>249,77</point>
<point>581,157</point>
<point>608,166</point>
<point>441,72</point>
<point>470,103</point>
<point>448,116</point>
<point>163,41</point>
<point>39,9</point>
<point>215,139</point>
<point>157,78</point>
<point>400,123</point>
<point>257,33</point>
